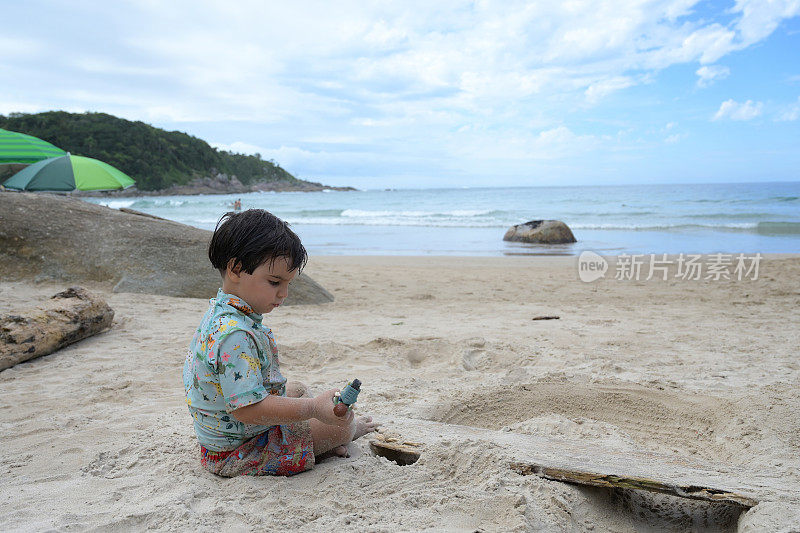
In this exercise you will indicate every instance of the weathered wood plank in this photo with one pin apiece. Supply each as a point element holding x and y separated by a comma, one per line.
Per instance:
<point>634,483</point>
<point>65,318</point>
<point>592,463</point>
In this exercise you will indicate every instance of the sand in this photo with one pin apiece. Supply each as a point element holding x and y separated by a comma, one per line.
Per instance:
<point>97,436</point>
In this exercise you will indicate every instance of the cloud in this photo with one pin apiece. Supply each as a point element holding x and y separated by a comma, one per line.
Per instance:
<point>239,147</point>
<point>265,61</point>
<point>311,164</point>
<point>602,88</point>
<point>710,43</point>
<point>736,111</point>
<point>100,65</point>
<point>412,82</point>
<point>710,74</point>
<point>19,48</point>
<point>501,147</point>
<point>759,18</point>
<point>790,113</point>
<point>7,107</point>
<point>550,142</point>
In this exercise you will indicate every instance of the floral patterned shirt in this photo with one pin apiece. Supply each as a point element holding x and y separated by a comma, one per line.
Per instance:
<point>232,362</point>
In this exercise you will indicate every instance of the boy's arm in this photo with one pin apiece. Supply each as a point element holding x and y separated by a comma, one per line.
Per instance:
<point>241,383</point>
<point>274,410</point>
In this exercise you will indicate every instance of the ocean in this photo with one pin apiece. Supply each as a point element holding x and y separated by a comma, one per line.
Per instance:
<point>609,220</point>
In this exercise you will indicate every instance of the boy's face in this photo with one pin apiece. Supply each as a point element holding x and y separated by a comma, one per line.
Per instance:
<point>263,290</point>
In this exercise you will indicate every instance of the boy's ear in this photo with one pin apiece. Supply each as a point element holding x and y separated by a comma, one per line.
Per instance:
<point>234,269</point>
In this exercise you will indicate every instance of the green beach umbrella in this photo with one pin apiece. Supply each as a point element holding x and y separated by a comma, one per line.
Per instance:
<point>25,149</point>
<point>68,173</point>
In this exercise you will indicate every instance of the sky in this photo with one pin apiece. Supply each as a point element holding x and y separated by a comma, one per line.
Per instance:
<point>408,94</point>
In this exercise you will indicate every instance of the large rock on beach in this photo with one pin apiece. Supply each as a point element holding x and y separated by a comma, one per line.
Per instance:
<point>51,237</point>
<point>540,232</point>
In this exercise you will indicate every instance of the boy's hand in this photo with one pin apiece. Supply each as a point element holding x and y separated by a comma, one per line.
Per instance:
<point>323,410</point>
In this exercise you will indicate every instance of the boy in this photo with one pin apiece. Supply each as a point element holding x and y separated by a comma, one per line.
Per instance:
<point>248,418</point>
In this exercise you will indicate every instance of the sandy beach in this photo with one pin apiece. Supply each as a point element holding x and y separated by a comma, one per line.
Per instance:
<point>97,436</point>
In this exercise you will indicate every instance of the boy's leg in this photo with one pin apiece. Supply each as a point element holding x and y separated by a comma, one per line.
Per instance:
<point>327,438</point>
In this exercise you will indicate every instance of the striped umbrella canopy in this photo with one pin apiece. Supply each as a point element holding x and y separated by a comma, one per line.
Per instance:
<point>68,173</point>
<point>25,149</point>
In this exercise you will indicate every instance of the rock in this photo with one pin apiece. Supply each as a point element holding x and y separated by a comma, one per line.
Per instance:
<point>47,237</point>
<point>8,170</point>
<point>540,232</point>
<point>68,317</point>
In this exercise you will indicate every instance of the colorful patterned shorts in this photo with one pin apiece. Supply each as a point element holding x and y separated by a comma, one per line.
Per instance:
<point>267,454</point>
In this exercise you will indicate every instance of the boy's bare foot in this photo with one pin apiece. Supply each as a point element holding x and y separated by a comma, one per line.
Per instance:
<point>364,425</point>
<point>341,451</point>
<point>296,389</point>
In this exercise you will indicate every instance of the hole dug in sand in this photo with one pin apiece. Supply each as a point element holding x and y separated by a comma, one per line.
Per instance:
<point>396,449</point>
<point>601,426</point>
<point>625,416</point>
<point>650,511</point>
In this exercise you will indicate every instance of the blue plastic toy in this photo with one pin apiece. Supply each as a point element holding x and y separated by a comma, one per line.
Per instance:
<point>346,397</point>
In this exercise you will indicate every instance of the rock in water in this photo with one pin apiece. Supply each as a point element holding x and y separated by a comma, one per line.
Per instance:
<point>67,317</point>
<point>540,232</point>
<point>51,237</point>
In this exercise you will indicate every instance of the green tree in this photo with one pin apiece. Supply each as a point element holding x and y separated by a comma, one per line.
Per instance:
<point>154,157</point>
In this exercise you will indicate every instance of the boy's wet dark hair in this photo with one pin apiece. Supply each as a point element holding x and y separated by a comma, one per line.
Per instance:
<point>254,237</point>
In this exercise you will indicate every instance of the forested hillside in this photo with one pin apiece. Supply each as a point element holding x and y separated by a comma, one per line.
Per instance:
<point>155,158</point>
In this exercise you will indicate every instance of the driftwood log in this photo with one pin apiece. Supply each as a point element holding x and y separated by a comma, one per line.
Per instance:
<point>67,317</point>
<point>589,463</point>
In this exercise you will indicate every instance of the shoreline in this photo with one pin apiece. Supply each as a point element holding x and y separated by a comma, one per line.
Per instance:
<point>462,223</point>
<point>544,256</point>
<point>196,191</point>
